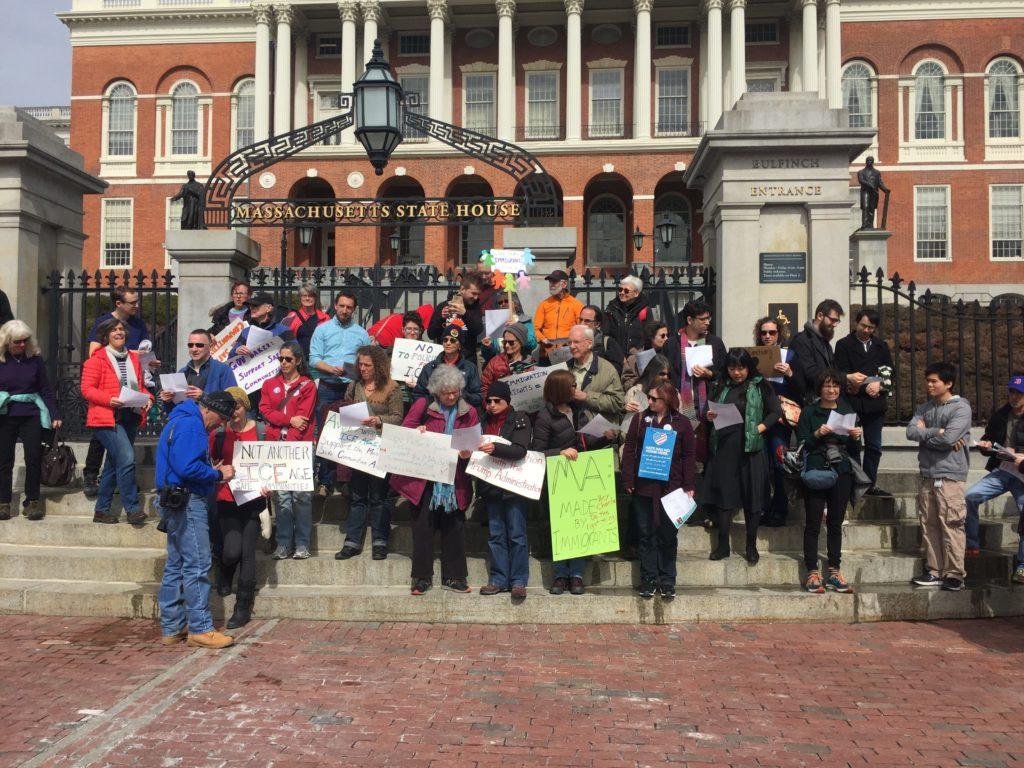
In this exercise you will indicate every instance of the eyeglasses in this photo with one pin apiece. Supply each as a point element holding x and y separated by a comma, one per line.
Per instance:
<point>240,293</point>
<point>703,319</point>
<point>284,359</point>
<point>494,400</point>
<point>195,345</point>
<point>26,340</point>
<point>131,303</point>
<point>449,340</point>
<point>508,342</point>
<point>625,290</point>
<point>834,320</point>
<point>769,333</point>
<point>653,399</point>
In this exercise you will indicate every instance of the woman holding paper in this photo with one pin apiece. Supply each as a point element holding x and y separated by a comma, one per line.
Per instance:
<point>512,360</point>
<point>368,493</point>
<point>655,336</point>
<point>439,506</point>
<point>741,412</point>
<point>767,333</point>
<point>287,402</point>
<point>647,483</point>
<point>112,385</point>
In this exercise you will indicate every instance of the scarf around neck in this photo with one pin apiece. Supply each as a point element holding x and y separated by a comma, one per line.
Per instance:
<point>443,494</point>
<point>752,415</point>
<point>116,358</point>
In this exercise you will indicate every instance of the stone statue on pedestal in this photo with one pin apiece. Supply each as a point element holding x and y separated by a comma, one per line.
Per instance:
<point>191,194</point>
<point>870,182</point>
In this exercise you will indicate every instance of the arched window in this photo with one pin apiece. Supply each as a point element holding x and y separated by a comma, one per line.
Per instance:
<point>121,121</point>
<point>1003,104</point>
<point>857,94</point>
<point>929,101</point>
<point>677,209</point>
<point>185,119</point>
<point>606,231</point>
<point>245,113</point>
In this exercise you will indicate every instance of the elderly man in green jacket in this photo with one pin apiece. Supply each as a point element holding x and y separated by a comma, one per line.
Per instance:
<point>598,388</point>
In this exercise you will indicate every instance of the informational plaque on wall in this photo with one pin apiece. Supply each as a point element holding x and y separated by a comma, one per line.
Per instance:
<point>783,267</point>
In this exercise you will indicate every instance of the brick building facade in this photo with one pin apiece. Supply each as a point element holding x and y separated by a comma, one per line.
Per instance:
<point>611,97</point>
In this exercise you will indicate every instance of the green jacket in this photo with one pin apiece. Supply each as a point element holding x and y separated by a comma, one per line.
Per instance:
<point>812,417</point>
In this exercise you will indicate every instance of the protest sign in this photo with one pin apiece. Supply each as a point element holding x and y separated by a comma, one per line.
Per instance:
<point>276,466</point>
<point>581,500</point>
<point>508,261</point>
<point>408,357</point>
<point>424,455</point>
<point>767,358</point>
<point>523,478</point>
<point>656,454</point>
<point>528,387</point>
<point>494,319</point>
<point>220,350</point>
<point>357,447</point>
<point>263,365</point>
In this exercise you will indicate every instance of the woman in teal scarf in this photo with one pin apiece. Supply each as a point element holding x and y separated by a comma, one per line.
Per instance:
<point>737,472</point>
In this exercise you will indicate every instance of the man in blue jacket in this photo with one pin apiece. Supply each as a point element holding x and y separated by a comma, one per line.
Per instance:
<point>185,480</point>
<point>202,372</point>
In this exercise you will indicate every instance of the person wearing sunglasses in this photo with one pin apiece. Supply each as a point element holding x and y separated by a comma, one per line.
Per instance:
<point>768,333</point>
<point>456,355</point>
<point>655,335</point>
<point>512,359</point>
<point>202,372</point>
<point>27,408</point>
<point>559,312</point>
<point>626,313</point>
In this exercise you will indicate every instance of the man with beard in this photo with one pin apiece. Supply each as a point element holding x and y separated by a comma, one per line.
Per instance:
<point>625,314</point>
<point>812,349</point>
<point>557,314</point>
<point>465,306</point>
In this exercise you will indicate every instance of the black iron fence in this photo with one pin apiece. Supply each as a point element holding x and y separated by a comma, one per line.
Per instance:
<point>74,301</point>
<point>984,341</point>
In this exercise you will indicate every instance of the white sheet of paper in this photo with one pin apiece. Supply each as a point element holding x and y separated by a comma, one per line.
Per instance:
<point>467,438</point>
<point>678,506</point>
<point>785,359</point>
<point>597,426</point>
<point>643,358</point>
<point>353,415</point>
<point>726,415</point>
<point>842,424</point>
<point>641,401</point>
<point>495,319</point>
<point>244,497</point>
<point>133,399</point>
<point>702,355</point>
<point>145,358</point>
<point>174,382</point>
<point>257,336</point>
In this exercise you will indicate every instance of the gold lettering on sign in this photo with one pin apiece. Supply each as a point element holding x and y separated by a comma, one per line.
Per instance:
<point>784,163</point>
<point>792,190</point>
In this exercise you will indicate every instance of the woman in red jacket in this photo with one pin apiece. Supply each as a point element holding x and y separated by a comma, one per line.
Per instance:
<point>304,320</point>
<point>109,370</point>
<point>287,403</point>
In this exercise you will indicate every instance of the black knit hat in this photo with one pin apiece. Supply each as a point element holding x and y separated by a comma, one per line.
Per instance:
<point>221,403</point>
<point>500,389</point>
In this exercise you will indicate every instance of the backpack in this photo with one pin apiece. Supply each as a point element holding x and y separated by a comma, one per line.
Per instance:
<point>57,469</point>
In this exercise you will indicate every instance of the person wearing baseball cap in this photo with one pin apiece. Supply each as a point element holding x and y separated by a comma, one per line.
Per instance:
<point>454,339</point>
<point>1006,429</point>
<point>559,312</point>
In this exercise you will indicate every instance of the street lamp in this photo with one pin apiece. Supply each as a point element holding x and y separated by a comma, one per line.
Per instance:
<point>305,236</point>
<point>396,241</point>
<point>378,118</point>
<point>665,228</point>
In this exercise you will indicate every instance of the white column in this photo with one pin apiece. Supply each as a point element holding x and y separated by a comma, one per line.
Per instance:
<point>714,9</point>
<point>300,105</point>
<point>283,70</point>
<point>573,71</point>
<point>809,66</point>
<point>438,10</point>
<point>262,98</point>
<point>642,70</point>
<point>371,18</point>
<point>796,81</point>
<point>833,55</point>
<point>348,12</point>
<point>738,49</point>
<point>821,56</point>
<point>506,71</point>
<point>447,114</point>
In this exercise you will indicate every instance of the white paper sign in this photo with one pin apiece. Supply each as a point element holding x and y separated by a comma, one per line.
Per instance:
<point>643,358</point>
<point>263,365</point>
<point>495,319</point>
<point>356,447</point>
<point>678,506</point>
<point>702,355</point>
<point>276,466</point>
<point>220,350</point>
<point>176,383</point>
<point>353,415</point>
<point>597,426</point>
<point>408,357</point>
<point>528,387</point>
<point>130,398</point>
<point>841,424</point>
<point>726,415</point>
<point>244,497</point>
<point>507,261</point>
<point>467,438</point>
<point>523,478</point>
<point>257,337</point>
<point>785,359</point>
<point>642,403</point>
<point>424,455</point>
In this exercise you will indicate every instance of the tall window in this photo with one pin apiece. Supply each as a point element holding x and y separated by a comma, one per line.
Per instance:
<point>479,93</point>
<point>606,231</point>
<point>173,223</point>
<point>857,94</point>
<point>185,120</point>
<point>117,233</point>
<point>1007,221</point>
<point>930,102</point>
<point>1003,106</point>
<point>931,223</point>
<point>673,101</point>
<point>329,105</point>
<point>245,114</point>
<point>674,206</point>
<point>542,105</point>
<point>606,102</point>
<point>121,121</point>
<point>419,85</point>
<point>410,244</point>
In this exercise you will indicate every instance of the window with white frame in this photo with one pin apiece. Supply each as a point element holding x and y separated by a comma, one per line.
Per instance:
<point>761,32</point>
<point>676,209</point>
<point>673,101</point>
<point>542,105</point>
<point>606,102</point>
<point>606,231</point>
<point>328,46</point>
<point>1003,100</point>
<point>419,85</point>
<point>1006,220</point>
<point>929,101</point>
<point>931,223</point>
<point>117,233</point>
<point>857,94</point>
<point>121,121</point>
<point>478,102</point>
<point>328,104</point>
<point>173,208</point>
<point>672,36</point>
<point>413,44</point>
<point>185,119</point>
<point>244,113</point>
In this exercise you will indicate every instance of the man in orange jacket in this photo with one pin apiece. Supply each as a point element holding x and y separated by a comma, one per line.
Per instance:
<point>557,313</point>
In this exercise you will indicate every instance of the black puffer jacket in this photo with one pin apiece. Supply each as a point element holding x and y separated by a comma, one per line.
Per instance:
<point>519,432</point>
<point>553,432</point>
<point>623,323</point>
<point>996,431</point>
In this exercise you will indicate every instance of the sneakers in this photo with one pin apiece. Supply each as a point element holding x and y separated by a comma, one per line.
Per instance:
<point>491,589</point>
<point>346,552</point>
<point>813,583</point>
<point>265,524</point>
<point>5,511</point>
<point>105,517</point>
<point>281,553</point>
<point>836,582</point>
<point>876,491</point>
<point>668,591</point>
<point>576,586</point>
<point>33,510</point>
<point>213,640</point>
<point>301,553</point>
<point>559,586</point>
<point>380,552</point>
<point>90,486</point>
<point>518,593</point>
<point>647,590</point>
<point>927,580</point>
<point>177,637</point>
<point>421,587</point>
<point>952,584</point>
<point>324,490</point>
<point>138,517</point>
<point>458,585</point>
<point>1018,575</point>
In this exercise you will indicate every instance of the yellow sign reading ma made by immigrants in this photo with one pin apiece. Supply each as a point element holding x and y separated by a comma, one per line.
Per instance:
<point>276,212</point>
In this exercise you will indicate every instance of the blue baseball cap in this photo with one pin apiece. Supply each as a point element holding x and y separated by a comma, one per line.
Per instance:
<point>1017,383</point>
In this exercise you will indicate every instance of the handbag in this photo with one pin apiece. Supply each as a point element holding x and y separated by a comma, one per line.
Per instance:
<point>790,411</point>
<point>818,479</point>
<point>57,468</point>
<point>793,460</point>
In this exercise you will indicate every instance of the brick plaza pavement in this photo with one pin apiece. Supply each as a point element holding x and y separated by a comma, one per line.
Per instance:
<point>296,693</point>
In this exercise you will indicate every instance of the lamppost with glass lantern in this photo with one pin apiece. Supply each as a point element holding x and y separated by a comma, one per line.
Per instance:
<point>665,228</point>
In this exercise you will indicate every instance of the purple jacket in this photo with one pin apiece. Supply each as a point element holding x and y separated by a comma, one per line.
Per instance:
<point>25,375</point>
<point>427,411</point>
<point>683,471</point>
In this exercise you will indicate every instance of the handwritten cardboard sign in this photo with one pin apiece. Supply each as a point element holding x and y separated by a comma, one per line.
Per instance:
<point>262,365</point>
<point>767,358</point>
<point>276,466</point>
<point>425,455</point>
<point>220,350</point>
<point>357,447</point>
<point>581,499</point>
<point>408,357</point>
<point>523,478</point>
<point>528,387</point>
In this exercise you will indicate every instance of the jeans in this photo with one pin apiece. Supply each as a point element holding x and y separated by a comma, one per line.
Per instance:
<point>510,554</point>
<point>184,595</point>
<point>294,517</point>
<point>992,485</point>
<point>836,500</point>
<point>571,568</point>
<point>872,425</point>
<point>778,438</point>
<point>325,394</point>
<point>367,503</point>
<point>31,431</point>
<point>658,543</point>
<point>119,469</point>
